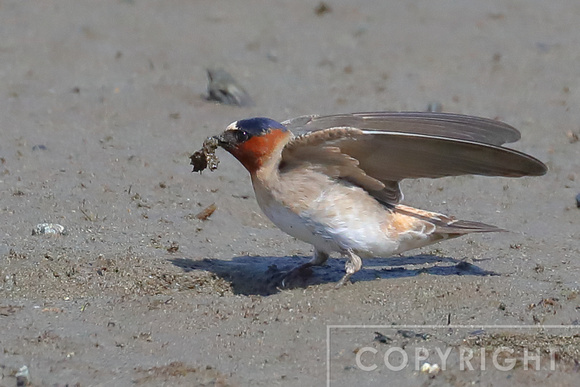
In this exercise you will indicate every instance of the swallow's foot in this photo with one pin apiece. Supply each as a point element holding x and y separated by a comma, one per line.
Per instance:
<point>303,271</point>
<point>352,266</point>
<point>342,281</point>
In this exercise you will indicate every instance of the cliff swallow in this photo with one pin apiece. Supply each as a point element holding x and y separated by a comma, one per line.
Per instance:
<point>333,181</point>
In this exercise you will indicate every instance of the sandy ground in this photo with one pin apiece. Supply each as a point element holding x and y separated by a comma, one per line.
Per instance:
<point>101,103</point>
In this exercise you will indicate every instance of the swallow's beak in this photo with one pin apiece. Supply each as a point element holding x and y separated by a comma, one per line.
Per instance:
<point>226,140</point>
<point>220,139</point>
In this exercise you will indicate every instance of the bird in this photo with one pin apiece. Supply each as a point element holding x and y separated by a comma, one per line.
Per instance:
<point>334,181</point>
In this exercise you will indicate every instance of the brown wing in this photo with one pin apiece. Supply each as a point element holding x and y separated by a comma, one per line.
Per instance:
<point>447,125</point>
<point>314,148</point>
<point>390,147</point>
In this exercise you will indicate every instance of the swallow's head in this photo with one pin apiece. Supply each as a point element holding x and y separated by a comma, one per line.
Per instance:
<point>254,141</point>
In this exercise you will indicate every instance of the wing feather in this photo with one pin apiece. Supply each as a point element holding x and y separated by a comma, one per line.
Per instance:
<point>315,149</point>
<point>385,148</point>
<point>447,125</point>
<point>398,156</point>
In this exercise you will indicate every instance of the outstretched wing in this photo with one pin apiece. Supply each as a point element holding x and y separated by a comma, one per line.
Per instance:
<point>389,147</point>
<point>446,125</point>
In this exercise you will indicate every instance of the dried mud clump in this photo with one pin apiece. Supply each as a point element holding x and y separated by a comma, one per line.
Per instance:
<point>205,157</point>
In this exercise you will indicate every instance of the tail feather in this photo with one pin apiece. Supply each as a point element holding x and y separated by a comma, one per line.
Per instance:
<point>465,227</point>
<point>446,224</point>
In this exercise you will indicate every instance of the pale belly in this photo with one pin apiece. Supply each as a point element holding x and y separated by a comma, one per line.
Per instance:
<point>335,219</point>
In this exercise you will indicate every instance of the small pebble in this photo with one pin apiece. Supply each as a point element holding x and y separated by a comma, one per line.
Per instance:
<point>322,8</point>
<point>434,107</point>
<point>23,377</point>
<point>223,88</point>
<point>49,228</point>
<point>382,338</point>
<point>572,136</point>
<point>430,368</point>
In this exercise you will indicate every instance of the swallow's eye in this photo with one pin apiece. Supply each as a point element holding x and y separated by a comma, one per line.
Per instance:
<point>242,136</point>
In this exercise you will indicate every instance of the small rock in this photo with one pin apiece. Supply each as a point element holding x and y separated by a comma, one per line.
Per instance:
<point>23,377</point>
<point>434,107</point>
<point>322,8</point>
<point>572,136</point>
<point>173,248</point>
<point>49,228</point>
<point>223,88</point>
<point>430,368</point>
<point>407,334</point>
<point>382,338</point>
<point>578,200</point>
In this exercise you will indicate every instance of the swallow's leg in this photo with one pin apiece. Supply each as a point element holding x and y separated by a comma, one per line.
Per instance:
<point>352,266</point>
<point>318,259</point>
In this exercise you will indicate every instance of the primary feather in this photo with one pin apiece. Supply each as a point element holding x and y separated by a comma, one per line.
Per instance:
<point>390,147</point>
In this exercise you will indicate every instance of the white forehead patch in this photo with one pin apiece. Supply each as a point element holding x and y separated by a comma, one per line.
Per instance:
<point>232,126</point>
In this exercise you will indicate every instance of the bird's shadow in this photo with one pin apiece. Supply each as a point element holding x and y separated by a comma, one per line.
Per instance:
<point>263,275</point>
